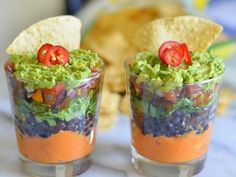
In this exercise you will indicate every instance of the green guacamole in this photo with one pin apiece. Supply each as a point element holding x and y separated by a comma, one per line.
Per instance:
<point>38,75</point>
<point>148,66</point>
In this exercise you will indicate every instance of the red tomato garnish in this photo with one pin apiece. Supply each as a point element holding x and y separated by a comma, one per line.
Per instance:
<point>170,45</point>
<point>180,51</point>
<point>52,55</point>
<point>56,55</point>
<point>172,57</point>
<point>187,54</point>
<point>42,51</point>
<point>9,66</point>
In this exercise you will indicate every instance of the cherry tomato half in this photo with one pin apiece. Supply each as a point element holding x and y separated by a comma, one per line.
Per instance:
<point>56,55</point>
<point>172,57</point>
<point>170,45</point>
<point>187,54</point>
<point>42,51</point>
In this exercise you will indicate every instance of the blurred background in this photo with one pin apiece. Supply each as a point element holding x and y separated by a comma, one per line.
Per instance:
<point>114,21</point>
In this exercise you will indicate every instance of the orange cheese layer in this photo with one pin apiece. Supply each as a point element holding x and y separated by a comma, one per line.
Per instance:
<point>171,149</point>
<point>61,147</point>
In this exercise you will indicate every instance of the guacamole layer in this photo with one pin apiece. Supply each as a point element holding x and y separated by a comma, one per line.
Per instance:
<point>80,66</point>
<point>148,66</point>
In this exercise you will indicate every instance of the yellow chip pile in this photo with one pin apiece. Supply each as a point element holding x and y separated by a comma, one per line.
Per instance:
<point>111,38</point>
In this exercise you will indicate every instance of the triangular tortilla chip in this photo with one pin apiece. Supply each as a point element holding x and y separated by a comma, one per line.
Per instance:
<point>61,30</point>
<point>196,32</point>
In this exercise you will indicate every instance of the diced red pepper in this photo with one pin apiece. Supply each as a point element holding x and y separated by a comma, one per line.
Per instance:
<point>50,95</point>
<point>192,90</point>
<point>171,96</point>
<point>9,66</point>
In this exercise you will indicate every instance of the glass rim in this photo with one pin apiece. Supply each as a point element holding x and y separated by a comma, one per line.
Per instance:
<point>97,75</point>
<point>130,73</point>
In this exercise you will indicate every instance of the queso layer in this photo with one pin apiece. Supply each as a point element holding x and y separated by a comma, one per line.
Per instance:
<point>61,147</point>
<point>171,149</point>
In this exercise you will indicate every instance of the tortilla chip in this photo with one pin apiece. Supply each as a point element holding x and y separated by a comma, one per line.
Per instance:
<point>61,30</point>
<point>171,9</point>
<point>115,78</point>
<point>112,47</point>
<point>196,32</point>
<point>106,121</point>
<point>129,19</point>
<point>109,109</point>
<point>109,102</point>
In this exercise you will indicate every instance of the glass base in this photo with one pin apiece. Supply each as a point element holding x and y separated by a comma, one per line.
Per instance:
<point>66,169</point>
<point>157,169</point>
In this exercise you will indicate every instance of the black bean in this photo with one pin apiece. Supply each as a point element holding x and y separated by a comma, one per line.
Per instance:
<point>205,127</point>
<point>86,131</point>
<point>70,126</point>
<point>58,127</point>
<point>199,131</point>
<point>44,134</point>
<point>29,130</point>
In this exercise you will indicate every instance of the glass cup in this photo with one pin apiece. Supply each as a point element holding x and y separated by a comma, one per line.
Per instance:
<point>55,125</point>
<point>171,129</point>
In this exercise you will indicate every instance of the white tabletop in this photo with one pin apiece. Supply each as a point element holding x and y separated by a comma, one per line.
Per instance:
<point>112,154</point>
